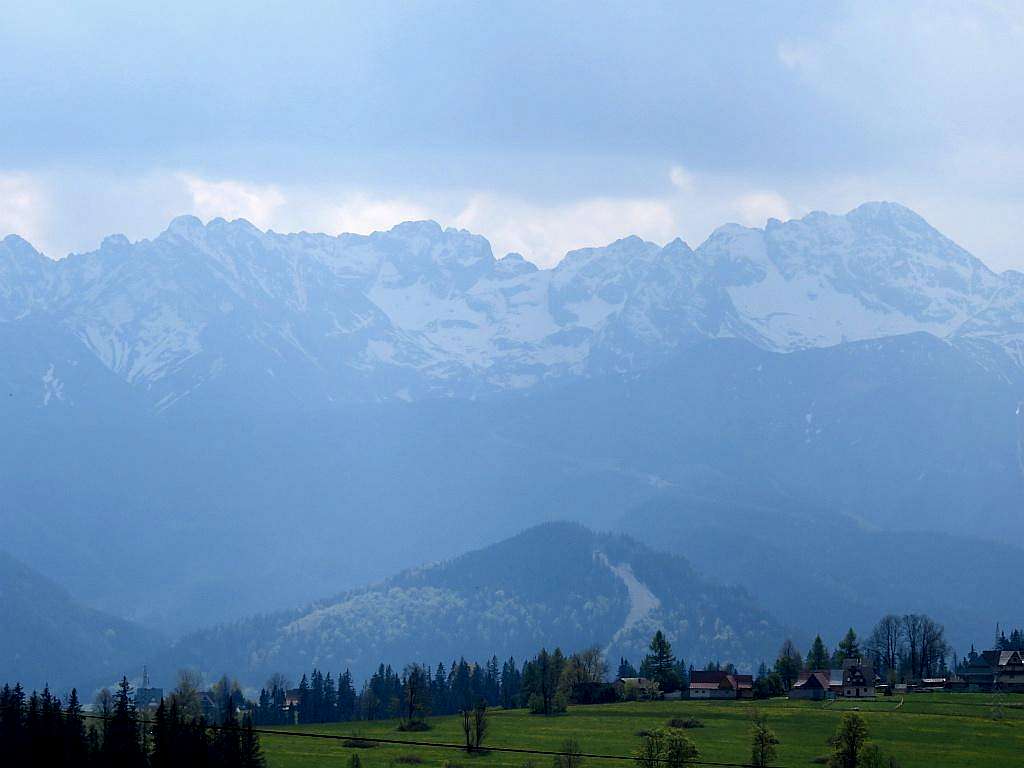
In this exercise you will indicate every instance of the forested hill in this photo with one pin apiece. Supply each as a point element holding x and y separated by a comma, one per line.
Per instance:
<point>48,637</point>
<point>557,584</point>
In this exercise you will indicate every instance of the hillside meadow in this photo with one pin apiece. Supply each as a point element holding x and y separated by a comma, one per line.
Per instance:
<point>975,730</point>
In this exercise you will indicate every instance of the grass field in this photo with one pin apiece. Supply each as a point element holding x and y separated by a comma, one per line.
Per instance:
<point>926,730</point>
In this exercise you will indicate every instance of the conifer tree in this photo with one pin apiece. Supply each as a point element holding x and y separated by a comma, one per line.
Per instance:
<point>122,747</point>
<point>817,657</point>
<point>659,664</point>
<point>251,753</point>
<point>625,668</point>
<point>849,647</point>
<point>76,747</point>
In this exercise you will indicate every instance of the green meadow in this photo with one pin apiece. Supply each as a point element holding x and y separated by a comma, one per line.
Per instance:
<point>975,730</point>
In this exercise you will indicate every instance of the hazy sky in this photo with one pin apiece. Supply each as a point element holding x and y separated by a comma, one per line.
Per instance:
<point>542,126</point>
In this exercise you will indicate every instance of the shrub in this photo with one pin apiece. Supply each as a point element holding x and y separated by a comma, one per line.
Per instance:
<point>414,725</point>
<point>409,759</point>
<point>357,742</point>
<point>685,722</point>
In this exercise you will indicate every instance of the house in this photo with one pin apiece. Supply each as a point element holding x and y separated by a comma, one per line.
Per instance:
<point>744,686</point>
<point>148,699</point>
<point>208,705</point>
<point>637,689</point>
<point>858,679</point>
<point>835,681</point>
<point>717,685</point>
<point>811,685</point>
<point>995,670</point>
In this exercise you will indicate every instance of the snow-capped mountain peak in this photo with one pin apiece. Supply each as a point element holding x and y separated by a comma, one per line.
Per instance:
<point>422,309</point>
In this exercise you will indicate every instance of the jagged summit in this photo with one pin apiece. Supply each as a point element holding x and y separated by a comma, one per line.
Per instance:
<point>420,310</point>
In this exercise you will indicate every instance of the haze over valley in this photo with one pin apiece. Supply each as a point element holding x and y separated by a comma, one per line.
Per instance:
<point>248,422</point>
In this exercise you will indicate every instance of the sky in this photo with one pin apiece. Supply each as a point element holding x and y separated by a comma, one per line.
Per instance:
<point>543,126</point>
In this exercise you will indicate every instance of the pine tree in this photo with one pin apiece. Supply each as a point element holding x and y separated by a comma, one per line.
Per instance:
<point>122,747</point>
<point>817,657</point>
<point>511,684</point>
<point>226,748</point>
<point>251,753</point>
<point>330,704</point>
<point>625,668</point>
<point>660,663</point>
<point>304,701</point>
<point>849,647</point>
<point>346,697</point>
<point>76,749</point>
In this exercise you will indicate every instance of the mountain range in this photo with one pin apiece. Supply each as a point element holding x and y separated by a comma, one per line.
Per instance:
<point>308,320</point>
<point>239,421</point>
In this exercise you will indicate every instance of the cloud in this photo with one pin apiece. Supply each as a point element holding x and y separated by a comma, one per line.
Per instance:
<point>233,199</point>
<point>681,178</point>
<point>545,233</point>
<point>362,213</point>
<point>755,208</point>
<point>797,56</point>
<point>23,207</point>
<point>67,209</point>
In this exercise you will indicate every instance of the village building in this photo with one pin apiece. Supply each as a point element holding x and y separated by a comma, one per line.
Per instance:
<point>858,679</point>
<point>637,689</point>
<point>720,685</point>
<point>995,670</point>
<point>811,685</point>
<point>148,699</point>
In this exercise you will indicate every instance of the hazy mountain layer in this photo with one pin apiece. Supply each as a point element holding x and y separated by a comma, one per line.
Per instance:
<point>245,419</point>
<point>49,638</point>
<point>553,585</point>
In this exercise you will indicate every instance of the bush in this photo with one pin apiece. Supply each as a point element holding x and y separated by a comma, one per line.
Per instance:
<point>409,759</point>
<point>571,755</point>
<point>685,722</point>
<point>356,742</point>
<point>414,725</point>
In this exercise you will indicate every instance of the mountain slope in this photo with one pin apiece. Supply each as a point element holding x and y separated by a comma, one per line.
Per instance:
<point>552,585</point>
<point>905,434</point>
<point>214,396</point>
<point>49,638</point>
<point>846,574</point>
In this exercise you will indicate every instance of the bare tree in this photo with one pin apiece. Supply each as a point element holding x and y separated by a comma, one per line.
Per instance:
<point>571,755</point>
<point>103,704</point>
<point>278,681</point>
<point>933,645</point>
<point>479,723</point>
<point>415,696</point>
<point>593,667</point>
<point>886,641</point>
<point>926,643</point>
<point>474,725</point>
<point>186,693</point>
<point>912,632</point>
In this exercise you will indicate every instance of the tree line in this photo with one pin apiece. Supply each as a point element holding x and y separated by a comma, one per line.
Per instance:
<point>899,648</point>
<point>41,730</point>
<point>545,684</point>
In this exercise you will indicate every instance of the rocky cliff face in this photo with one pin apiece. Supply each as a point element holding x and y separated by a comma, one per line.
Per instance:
<point>422,311</point>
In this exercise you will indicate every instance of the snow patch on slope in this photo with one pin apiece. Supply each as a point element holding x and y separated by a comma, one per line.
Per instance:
<point>642,602</point>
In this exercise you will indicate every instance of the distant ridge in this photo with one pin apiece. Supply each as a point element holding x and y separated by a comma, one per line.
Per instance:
<point>420,311</point>
<point>557,584</point>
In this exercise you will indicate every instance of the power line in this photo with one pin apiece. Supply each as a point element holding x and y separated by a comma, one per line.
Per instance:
<point>450,746</point>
